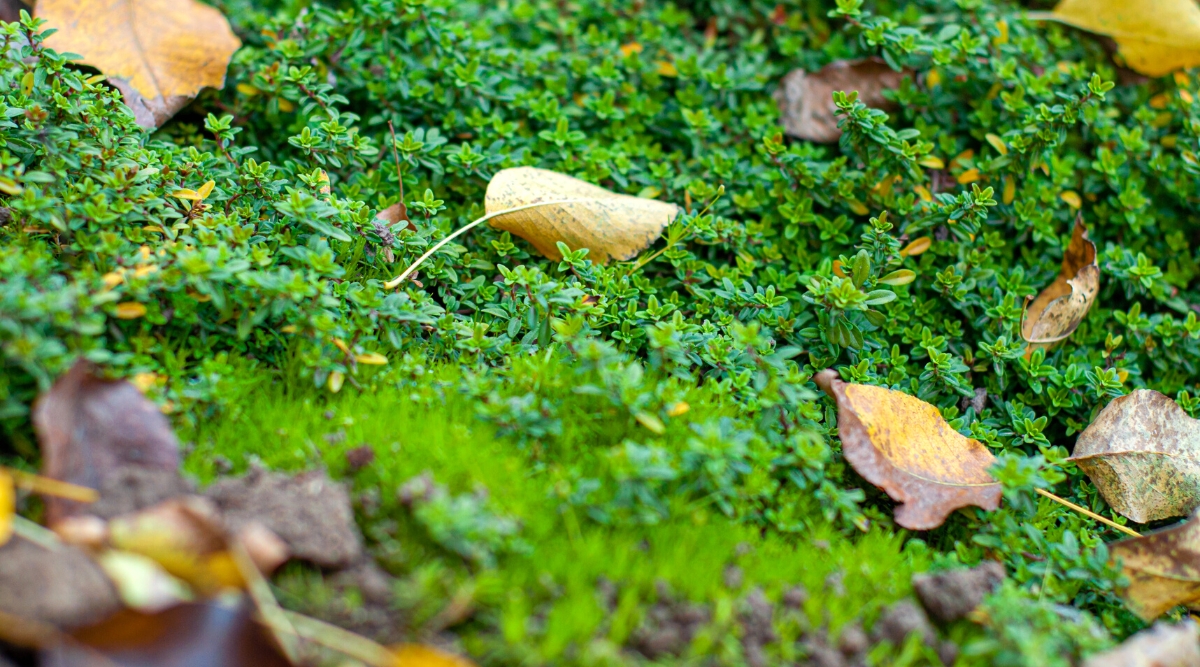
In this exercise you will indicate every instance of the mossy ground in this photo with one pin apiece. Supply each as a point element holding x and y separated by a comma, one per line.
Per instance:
<point>544,601</point>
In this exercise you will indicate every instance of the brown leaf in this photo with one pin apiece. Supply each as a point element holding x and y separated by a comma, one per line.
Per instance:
<point>806,99</point>
<point>193,634</point>
<point>1161,645</point>
<point>395,213</point>
<point>608,224</point>
<point>1163,568</point>
<point>89,427</point>
<point>164,49</point>
<point>1143,454</point>
<point>902,445</point>
<point>1057,311</point>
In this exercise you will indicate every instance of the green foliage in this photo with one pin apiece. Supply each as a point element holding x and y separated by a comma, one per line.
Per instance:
<point>788,260</point>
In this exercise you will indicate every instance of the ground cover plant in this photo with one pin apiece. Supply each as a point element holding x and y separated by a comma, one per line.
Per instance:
<point>556,460</point>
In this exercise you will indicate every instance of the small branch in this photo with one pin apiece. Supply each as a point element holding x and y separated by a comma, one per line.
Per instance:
<point>1086,512</point>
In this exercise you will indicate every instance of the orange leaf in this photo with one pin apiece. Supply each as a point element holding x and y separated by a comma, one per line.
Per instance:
<point>902,445</point>
<point>159,52</point>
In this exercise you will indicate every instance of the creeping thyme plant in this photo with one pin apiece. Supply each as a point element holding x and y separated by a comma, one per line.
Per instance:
<point>654,400</point>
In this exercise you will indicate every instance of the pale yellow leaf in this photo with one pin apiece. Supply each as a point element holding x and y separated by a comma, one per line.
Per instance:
<point>608,224</point>
<point>1154,36</point>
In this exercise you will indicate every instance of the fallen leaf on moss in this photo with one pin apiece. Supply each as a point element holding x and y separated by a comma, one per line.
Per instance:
<point>1143,454</point>
<point>902,445</point>
<point>1057,311</point>
<point>806,98</point>
<point>419,655</point>
<point>608,224</point>
<point>1154,37</point>
<point>159,53</point>
<point>1162,645</point>
<point>1163,568</point>
<point>90,427</point>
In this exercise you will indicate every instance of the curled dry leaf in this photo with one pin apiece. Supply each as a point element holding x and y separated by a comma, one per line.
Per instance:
<point>1163,568</point>
<point>806,99</point>
<point>1154,37</point>
<point>1057,311</point>
<point>194,634</point>
<point>902,445</point>
<point>160,53</point>
<point>1143,454</point>
<point>90,427</point>
<point>608,224</point>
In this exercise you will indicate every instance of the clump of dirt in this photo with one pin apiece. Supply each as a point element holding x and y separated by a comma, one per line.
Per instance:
<point>133,487</point>
<point>309,512</point>
<point>61,587</point>
<point>951,595</point>
<point>1162,645</point>
<point>757,618</point>
<point>669,626</point>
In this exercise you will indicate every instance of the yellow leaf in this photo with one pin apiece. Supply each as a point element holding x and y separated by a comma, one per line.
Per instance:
<point>1010,190</point>
<point>968,176</point>
<point>1169,141</point>
<point>417,655</point>
<point>188,194</point>
<point>1057,311</point>
<point>667,68</point>
<point>341,345</point>
<point>10,187</point>
<point>8,506</point>
<point>932,161</point>
<point>247,90</point>
<point>858,207</point>
<point>288,329</point>
<point>1071,198</point>
<point>1154,36</point>
<point>144,381</point>
<point>961,157</point>
<point>48,486</point>
<point>837,269</point>
<point>143,271</point>
<point>113,278</point>
<point>336,378</point>
<point>630,49</point>
<point>916,247</point>
<point>130,310</point>
<point>652,423</point>
<point>902,445</point>
<point>206,190</point>
<point>679,408</point>
<point>923,193</point>
<point>1186,96</point>
<point>997,143</point>
<point>164,50</point>
<point>27,83</point>
<point>372,359</point>
<point>934,78</point>
<point>608,224</point>
<point>898,277</point>
<point>286,105</point>
<point>1002,37</point>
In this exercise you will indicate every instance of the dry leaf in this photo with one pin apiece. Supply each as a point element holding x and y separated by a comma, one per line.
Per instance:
<point>90,427</point>
<point>1143,454</point>
<point>606,223</point>
<point>1163,568</point>
<point>1057,311</point>
<point>806,99</point>
<point>1154,36</point>
<point>1161,645</point>
<point>419,655</point>
<point>196,635</point>
<point>902,445</point>
<point>165,51</point>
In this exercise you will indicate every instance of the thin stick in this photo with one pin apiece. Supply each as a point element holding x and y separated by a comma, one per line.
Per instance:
<point>51,487</point>
<point>1087,512</point>
<point>399,172</point>
<point>469,226</point>
<point>343,641</point>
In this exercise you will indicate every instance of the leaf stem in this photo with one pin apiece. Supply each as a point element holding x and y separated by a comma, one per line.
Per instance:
<point>1087,512</point>
<point>467,227</point>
